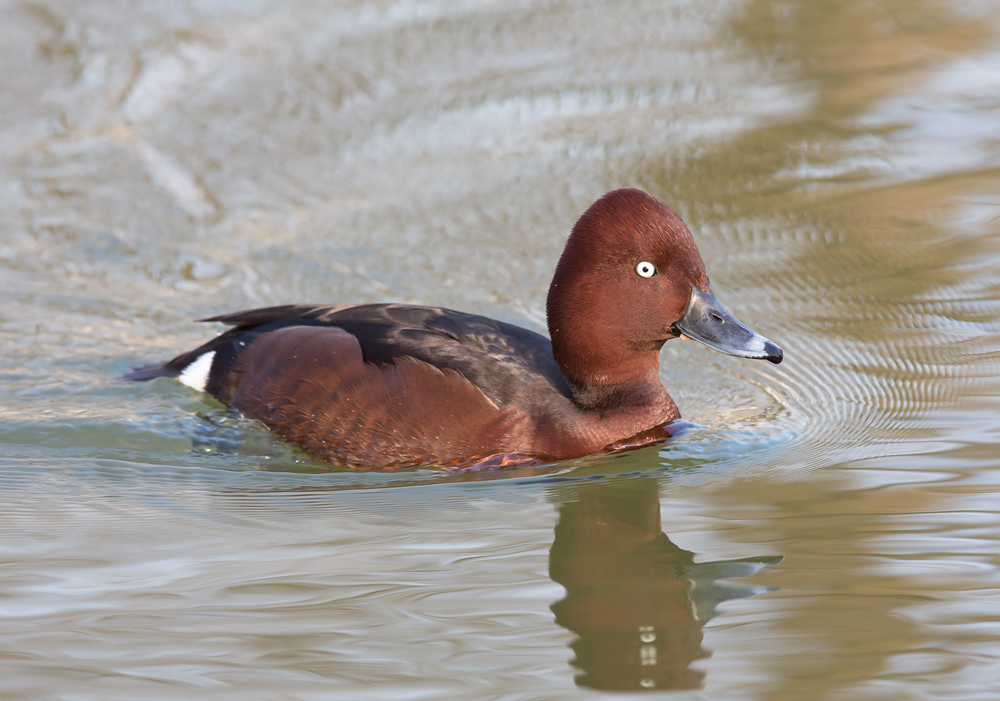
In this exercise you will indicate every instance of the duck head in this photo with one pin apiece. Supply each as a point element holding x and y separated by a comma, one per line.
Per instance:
<point>630,279</point>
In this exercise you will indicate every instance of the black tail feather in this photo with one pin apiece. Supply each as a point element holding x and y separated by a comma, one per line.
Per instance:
<point>247,326</point>
<point>172,368</point>
<point>151,372</point>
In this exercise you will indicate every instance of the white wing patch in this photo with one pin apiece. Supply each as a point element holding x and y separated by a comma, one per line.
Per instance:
<point>195,375</point>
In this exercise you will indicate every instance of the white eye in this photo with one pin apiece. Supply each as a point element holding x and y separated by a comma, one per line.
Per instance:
<point>645,269</point>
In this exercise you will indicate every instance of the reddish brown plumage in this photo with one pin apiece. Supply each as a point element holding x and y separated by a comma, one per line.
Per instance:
<point>311,385</point>
<point>384,386</point>
<point>628,319</point>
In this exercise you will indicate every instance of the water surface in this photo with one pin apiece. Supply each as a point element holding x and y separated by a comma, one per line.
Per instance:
<point>826,530</point>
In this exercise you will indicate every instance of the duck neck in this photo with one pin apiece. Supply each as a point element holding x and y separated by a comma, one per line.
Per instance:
<point>644,393</point>
<point>610,377</point>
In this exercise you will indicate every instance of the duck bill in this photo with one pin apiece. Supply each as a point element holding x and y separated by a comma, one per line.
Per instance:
<point>705,320</point>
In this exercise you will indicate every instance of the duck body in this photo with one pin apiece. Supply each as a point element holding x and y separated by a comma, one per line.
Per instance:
<point>383,386</point>
<point>392,385</point>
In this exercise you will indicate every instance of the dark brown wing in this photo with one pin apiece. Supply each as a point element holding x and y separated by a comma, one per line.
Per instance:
<point>505,361</point>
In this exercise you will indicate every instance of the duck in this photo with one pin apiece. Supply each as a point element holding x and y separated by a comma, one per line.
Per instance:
<point>389,386</point>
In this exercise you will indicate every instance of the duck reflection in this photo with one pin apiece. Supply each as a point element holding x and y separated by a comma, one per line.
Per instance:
<point>637,601</point>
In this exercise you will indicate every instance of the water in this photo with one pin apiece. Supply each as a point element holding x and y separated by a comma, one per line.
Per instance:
<point>826,530</point>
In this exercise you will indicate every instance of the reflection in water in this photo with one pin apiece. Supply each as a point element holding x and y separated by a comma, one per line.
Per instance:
<point>636,600</point>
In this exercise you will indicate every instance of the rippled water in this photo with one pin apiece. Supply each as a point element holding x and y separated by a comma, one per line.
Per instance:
<point>827,529</point>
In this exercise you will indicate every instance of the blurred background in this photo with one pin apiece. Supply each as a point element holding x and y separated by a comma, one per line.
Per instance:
<point>827,529</point>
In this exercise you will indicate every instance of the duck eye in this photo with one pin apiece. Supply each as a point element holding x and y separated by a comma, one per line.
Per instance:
<point>645,269</point>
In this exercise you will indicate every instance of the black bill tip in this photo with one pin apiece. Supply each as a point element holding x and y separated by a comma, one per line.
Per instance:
<point>773,353</point>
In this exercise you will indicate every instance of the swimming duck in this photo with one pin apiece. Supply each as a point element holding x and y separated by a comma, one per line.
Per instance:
<point>382,386</point>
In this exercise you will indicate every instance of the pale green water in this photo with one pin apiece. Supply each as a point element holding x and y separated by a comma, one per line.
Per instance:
<point>830,529</point>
